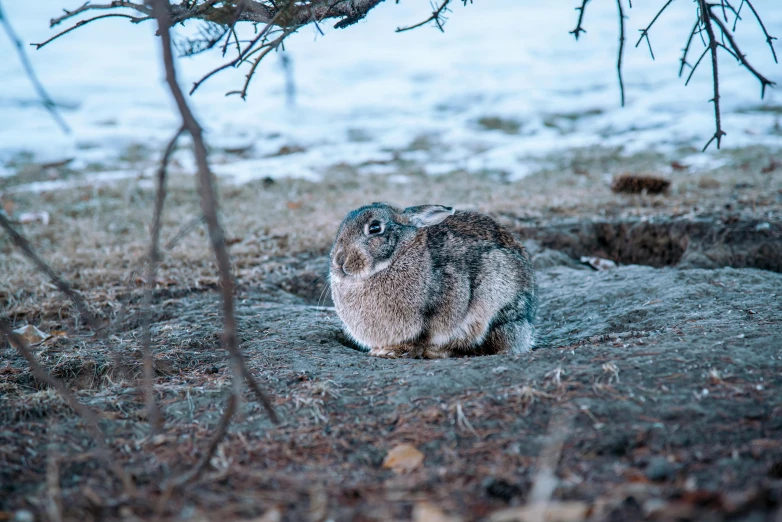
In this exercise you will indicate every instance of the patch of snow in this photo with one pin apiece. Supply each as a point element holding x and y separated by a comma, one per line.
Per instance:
<point>367,91</point>
<point>92,179</point>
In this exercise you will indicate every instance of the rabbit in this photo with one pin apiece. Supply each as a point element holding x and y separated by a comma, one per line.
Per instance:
<point>433,282</point>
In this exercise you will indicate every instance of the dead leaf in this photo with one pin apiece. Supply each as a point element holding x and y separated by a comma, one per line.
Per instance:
<point>293,205</point>
<point>554,512</point>
<point>32,335</point>
<point>403,458</point>
<point>598,263</point>
<point>426,512</point>
<point>29,217</point>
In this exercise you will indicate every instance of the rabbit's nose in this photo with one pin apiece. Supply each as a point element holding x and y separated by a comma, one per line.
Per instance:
<point>339,258</point>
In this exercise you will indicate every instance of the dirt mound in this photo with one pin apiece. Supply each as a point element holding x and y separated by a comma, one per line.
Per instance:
<point>669,380</point>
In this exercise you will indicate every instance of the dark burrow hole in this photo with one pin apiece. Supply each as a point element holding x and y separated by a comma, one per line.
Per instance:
<point>688,242</point>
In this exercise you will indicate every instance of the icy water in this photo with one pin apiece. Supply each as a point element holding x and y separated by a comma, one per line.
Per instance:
<point>504,89</point>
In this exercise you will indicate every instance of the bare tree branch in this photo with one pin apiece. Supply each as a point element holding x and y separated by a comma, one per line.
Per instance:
<point>620,53</point>
<point>46,100</point>
<point>85,22</point>
<point>298,14</point>
<point>209,208</point>
<point>154,415</point>
<point>97,7</point>
<point>706,18</point>
<point>24,245</point>
<point>89,416</point>
<point>741,57</point>
<point>438,17</point>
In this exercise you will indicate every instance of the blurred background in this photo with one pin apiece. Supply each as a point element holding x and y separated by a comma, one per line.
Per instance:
<point>505,90</point>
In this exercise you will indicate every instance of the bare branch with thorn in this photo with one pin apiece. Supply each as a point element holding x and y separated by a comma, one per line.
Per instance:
<point>706,18</point>
<point>580,24</point>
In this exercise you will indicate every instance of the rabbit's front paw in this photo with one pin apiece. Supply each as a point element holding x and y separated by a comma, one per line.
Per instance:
<point>385,352</point>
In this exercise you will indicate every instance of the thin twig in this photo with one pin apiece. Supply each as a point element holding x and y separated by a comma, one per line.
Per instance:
<point>436,17</point>
<point>694,67</point>
<point>184,231</point>
<point>742,58</point>
<point>153,411</point>
<point>621,50</point>
<point>24,245</point>
<point>686,50</point>
<point>769,39</point>
<point>96,7</point>
<point>645,31</point>
<point>214,442</point>
<point>580,25</point>
<point>209,209</point>
<point>87,414</point>
<point>81,23</point>
<point>46,100</point>
<point>269,47</point>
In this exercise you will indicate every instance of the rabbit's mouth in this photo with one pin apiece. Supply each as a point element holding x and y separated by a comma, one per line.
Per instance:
<point>355,268</point>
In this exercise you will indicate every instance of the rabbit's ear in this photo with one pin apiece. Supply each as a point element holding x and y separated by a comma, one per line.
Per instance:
<point>427,215</point>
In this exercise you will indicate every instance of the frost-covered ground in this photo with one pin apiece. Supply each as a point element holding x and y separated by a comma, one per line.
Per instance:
<point>505,88</point>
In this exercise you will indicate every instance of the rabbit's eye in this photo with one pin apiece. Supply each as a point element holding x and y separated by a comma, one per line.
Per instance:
<point>374,228</point>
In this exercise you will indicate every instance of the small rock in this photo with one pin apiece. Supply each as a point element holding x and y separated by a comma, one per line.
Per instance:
<point>659,469</point>
<point>499,488</point>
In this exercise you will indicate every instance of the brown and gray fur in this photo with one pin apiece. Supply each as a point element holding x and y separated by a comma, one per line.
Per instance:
<point>428,281</point>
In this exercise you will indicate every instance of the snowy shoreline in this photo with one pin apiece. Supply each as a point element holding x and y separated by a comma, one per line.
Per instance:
<point>489,94</point>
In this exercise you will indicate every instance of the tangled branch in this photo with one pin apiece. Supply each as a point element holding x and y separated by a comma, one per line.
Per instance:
<point>217,237</point>
<point>717,36</point>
